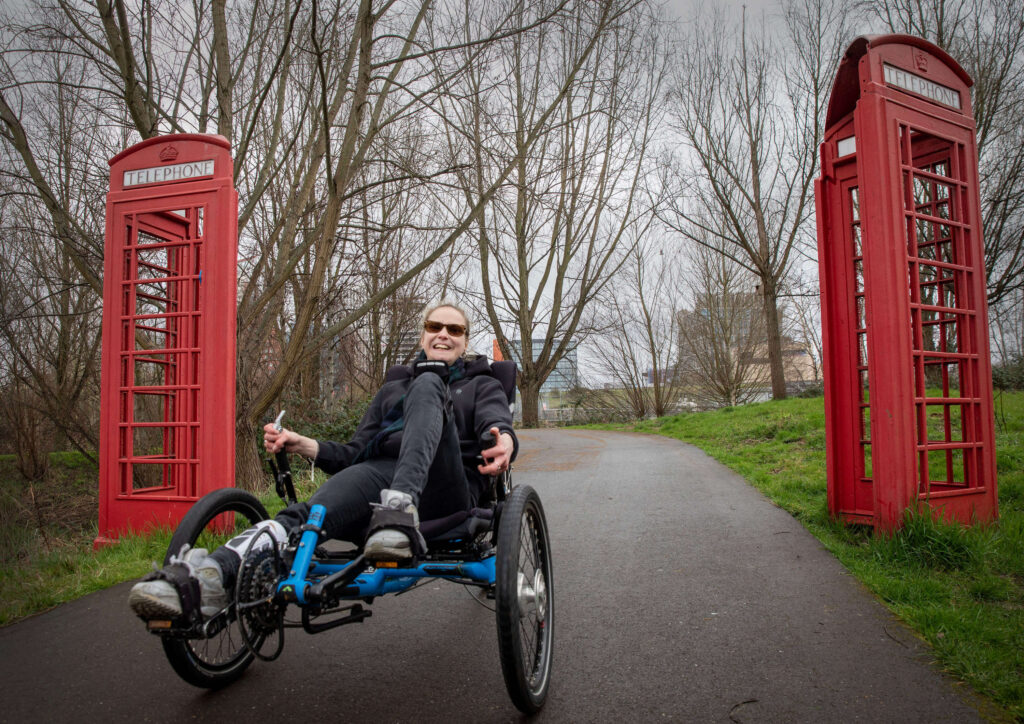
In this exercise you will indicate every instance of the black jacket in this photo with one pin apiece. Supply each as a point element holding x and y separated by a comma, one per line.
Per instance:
<point>478,401</point>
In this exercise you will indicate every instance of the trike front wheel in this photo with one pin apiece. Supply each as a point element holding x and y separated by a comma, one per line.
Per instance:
<point>220,659</point>
<point>523,594</point>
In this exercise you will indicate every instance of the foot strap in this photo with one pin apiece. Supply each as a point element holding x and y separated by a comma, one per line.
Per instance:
<point>398,520</point>
<point>179,576</point>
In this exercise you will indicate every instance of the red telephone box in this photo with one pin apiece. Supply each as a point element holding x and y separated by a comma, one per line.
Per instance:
<point>167,411</point>
<point>908,376</point>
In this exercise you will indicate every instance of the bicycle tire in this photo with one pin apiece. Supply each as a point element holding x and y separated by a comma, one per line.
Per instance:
<point>524,600</point>
<point>217,661</point>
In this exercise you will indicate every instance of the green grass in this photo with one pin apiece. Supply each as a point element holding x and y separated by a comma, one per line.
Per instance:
<point>961,589</point>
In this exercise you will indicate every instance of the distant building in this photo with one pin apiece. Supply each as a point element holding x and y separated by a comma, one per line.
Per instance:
<point>564,377</point>
<point>724,339</point>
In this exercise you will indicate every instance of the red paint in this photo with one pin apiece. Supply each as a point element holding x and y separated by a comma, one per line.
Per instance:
<point>167,411</point>
<point>908,375</point>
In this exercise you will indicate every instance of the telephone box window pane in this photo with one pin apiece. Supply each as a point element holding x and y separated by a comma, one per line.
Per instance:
<point>855,203</point>
<point>946,433</point>
<point>944,422</point>
<point>146,237</point>
<point>153,369</point>
<point>157,297</point>
<point>925,235</point>
<point>922,192</point>
<point>152,407</point>
<point>148,476</point>
<point>946,467</point>
<point>153,263</point>
<point>156,442</point>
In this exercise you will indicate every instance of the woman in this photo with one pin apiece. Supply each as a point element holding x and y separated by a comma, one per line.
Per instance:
<point>415,451</point>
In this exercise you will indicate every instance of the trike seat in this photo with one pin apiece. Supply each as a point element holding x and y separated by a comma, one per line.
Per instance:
<point>464,525</point>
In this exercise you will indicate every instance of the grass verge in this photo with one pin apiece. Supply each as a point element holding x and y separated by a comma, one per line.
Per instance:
<point>961,589</point>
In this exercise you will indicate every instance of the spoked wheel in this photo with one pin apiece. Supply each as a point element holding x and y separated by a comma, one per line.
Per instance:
<point>523,594</point>
<point>220,659</point>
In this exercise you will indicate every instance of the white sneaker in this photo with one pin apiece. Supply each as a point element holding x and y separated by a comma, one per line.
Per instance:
<point>240,543</point>
<point>158,598</point>
<point>393,544</point>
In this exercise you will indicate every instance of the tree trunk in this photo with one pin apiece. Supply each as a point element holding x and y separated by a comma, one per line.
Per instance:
<point>774,339</point>
<point>529,396</point>
<point>250,472</point>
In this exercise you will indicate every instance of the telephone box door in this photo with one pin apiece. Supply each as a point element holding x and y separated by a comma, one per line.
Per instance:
<point>951,367</point>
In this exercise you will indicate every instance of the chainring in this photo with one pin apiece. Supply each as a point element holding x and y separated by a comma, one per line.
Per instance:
<point>260,617</point>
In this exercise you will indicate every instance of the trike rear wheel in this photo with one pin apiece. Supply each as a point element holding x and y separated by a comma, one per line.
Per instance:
<point>523,594</point>
<point>220,659</point>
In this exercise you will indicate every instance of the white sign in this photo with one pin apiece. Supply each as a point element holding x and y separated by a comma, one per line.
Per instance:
<point>922,86</point>
<point>165,174</point>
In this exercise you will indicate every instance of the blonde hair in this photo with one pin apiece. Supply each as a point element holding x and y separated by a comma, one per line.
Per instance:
<point>431,308</point>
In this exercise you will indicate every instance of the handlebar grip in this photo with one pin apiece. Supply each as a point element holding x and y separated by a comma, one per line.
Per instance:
<point>282,461</point>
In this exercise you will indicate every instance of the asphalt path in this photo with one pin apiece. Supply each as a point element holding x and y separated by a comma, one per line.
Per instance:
<point>681,594</point>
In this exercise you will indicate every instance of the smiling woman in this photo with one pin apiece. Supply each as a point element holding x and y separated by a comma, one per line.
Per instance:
<point>445,333</point>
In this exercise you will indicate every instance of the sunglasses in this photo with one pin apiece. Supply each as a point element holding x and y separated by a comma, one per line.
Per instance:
<point>455,330</point>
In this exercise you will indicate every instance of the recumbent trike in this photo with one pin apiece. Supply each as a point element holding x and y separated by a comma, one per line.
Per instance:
<point>501,547</point>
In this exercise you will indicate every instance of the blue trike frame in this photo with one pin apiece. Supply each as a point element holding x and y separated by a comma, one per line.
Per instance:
<point>309,578</point>
<point>502,549</point>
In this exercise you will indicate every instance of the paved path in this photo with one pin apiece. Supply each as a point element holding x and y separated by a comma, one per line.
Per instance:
<point>681,594</point>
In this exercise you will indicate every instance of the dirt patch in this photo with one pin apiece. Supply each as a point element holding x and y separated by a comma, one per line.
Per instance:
<point>563,451</point>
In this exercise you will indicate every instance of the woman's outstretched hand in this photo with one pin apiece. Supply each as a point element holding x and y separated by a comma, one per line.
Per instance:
<point>497,458</point>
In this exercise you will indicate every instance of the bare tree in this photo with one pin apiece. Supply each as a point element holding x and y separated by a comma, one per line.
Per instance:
<point>722,337</point>
<point>330,109</point>
<point>50,333</point>
<point>987,38</point>
<point>804,312</point>
<point>49,311</point>
<point>574,203</point>
<point>1007,321</point>
<point>751,114</point>
<point>637,348</point>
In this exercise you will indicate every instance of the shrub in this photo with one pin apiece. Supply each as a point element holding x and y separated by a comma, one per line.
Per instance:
<point>335,422</point>
<point>1009,375</point>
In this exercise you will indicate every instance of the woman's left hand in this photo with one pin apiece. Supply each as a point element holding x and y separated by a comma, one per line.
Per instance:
<point>497,458</point>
